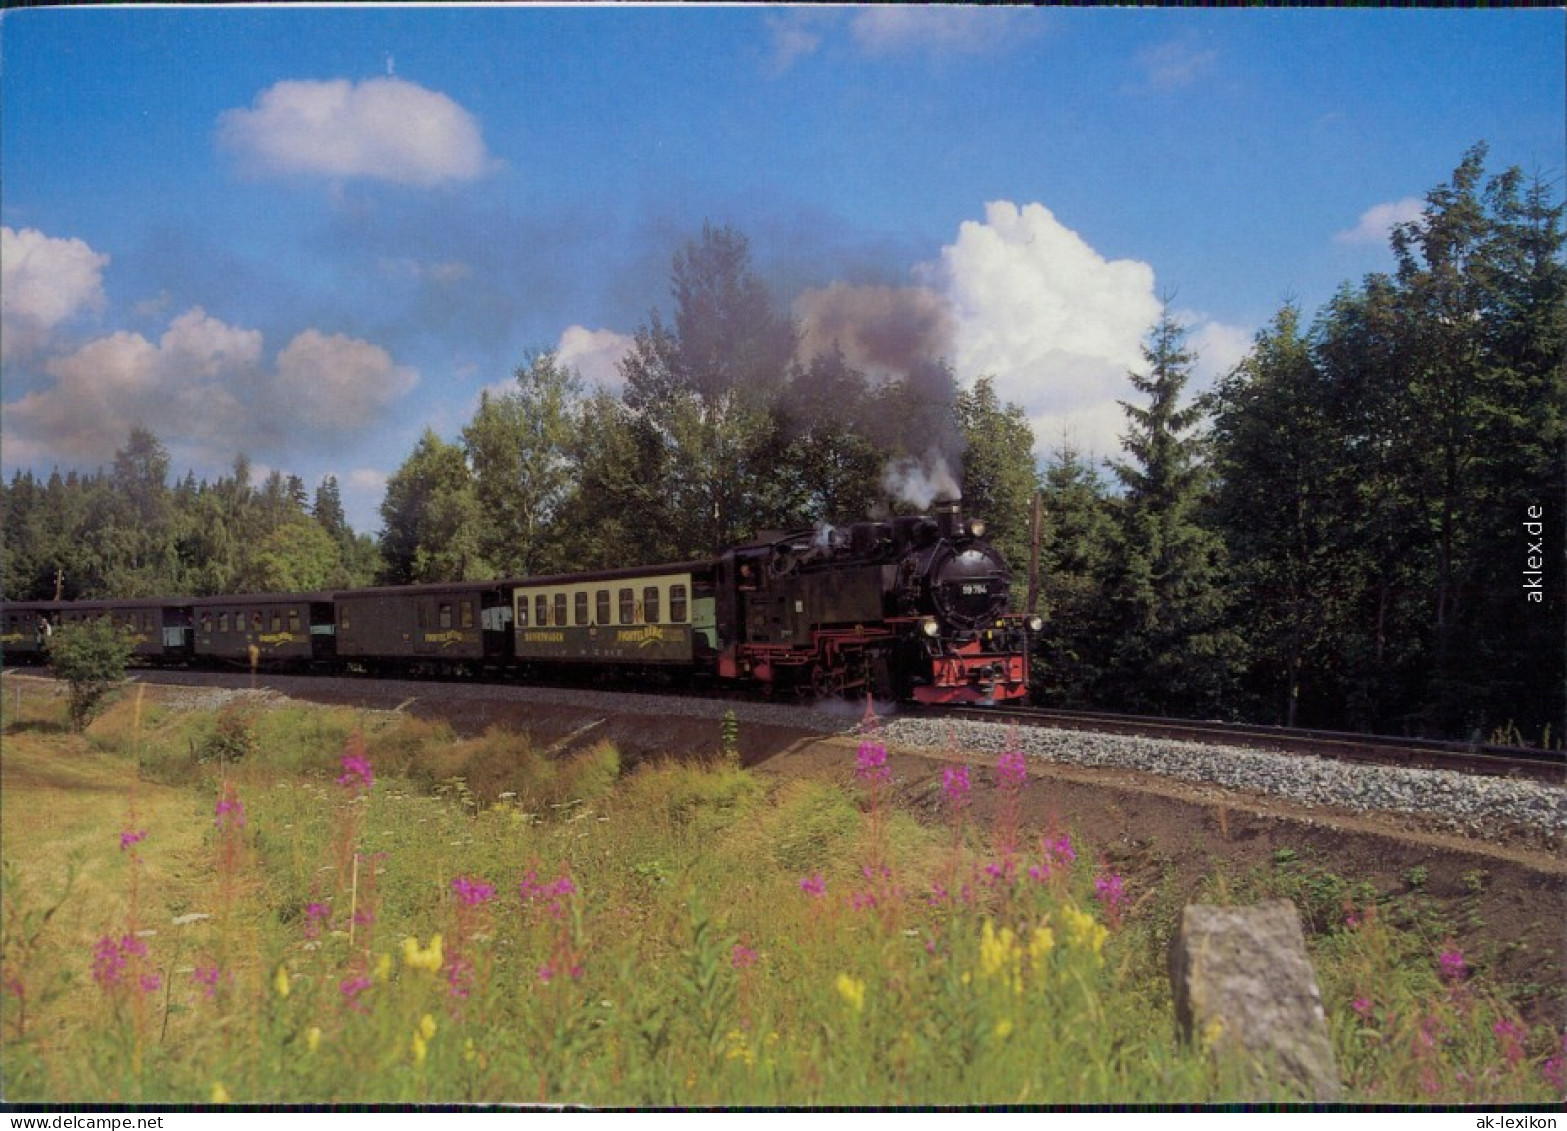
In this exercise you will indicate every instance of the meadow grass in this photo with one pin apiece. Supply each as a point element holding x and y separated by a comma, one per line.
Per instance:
<point>323,905</point>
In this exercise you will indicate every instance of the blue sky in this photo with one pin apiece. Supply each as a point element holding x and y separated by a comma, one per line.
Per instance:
<point>308,233</point>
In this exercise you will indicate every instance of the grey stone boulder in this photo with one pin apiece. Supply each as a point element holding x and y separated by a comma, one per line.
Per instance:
<point>1245,990</point>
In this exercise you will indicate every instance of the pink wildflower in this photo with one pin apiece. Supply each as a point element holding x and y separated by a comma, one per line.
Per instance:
<point>1040,873</point>
<point>472,892</point>
<point>1362,1006</point>
<point>954,781</point>
<point>316,917</point>
<point>1012,769</point>
<point>742,957</point>
<point>814,885</point>
<point>1554,1070</point>
<point>551,895</point>
<point>1510,1036</point>
<point>459,977</point>
<point>1111,892</point>
<point>111,957</point>
<point>150,983</point>
<point>129,838</point>
<point>357,774</point>
<point>871,763</point>
<point>351,988</point>
<point>207,977</point>
<point>1451,965</point>
<point>1062,849</point>
<point>862,901</point>
<point>230,811</point>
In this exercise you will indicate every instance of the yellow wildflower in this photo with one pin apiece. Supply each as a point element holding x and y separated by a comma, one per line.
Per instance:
<point>1000,956</point>
<point>383,967</point>
<point>418,1047</point>
<point>1003,1029</point>
<point>1085,930</point>
<point>738,1048</point>
<point>280,981</point>
<point>313,1038</point>
<point>1043,942</point>
<point>220,1094</point>
<point>423,958</point>
<point>852,990</point>
<point>468,1051</point>
<point>427,1026</point>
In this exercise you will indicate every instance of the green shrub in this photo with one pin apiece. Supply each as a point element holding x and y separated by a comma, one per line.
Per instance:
<point>91,657</point>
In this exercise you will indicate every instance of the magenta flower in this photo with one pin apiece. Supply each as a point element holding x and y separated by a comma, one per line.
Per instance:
<point>1510,1035</point>
<point>150,983</point>
<point>459,977</point>
<point>552,896</point>
<point>357,774</point>
<point>351,988</point>
<point>1012,769</point>
<point>473,892</point>
<point>1554,1070</point>
<point>316,917</point>
<point>814,886</point>
<point>207,977</point>
<point>110,958</point>
<point>1110,892</point>
<point>1451,965</point>
<point>128,838</point>
<point>871,763</point>
<point>230,811</point>
<point>1040,873</point>
<point>742,957</point>
<point>1362,1006</point>
<point>862,901</point>
<point>1062,849</point>
<point>954,780</point>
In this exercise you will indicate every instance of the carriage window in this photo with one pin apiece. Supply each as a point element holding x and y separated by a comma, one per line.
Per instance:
<point>541,610</point>
<point>579,611</point>
<point>446,615</point>
<point>465,613</point>
<point>255,621</point>
<point>628,606</point>
<point>677,604</point>
<point>650,603</point>
<point>293,620</point>
<point>560,608</point>
<point>522,612</point>
<point>346,619</point>
<point>277,621</point>
<point>601,606</point>
<point>206,622</point>
<point>223,622</point>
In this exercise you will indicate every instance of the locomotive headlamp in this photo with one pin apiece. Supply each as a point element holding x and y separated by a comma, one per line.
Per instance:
<point>976,527</point>
<point>1036,623</point>
<point>929,626</point>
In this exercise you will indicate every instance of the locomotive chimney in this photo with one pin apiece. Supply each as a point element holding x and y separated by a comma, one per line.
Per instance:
<point>949,517</point>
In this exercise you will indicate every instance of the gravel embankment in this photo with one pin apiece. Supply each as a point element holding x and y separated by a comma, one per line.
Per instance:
<point>1469,803</point>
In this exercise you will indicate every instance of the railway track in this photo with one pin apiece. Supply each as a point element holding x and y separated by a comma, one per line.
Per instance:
<point>1416,753</point>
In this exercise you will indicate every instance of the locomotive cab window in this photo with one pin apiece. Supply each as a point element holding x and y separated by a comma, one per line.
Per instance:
<point>650,604</point>
<point>628,607</point>
<point>677,604</point>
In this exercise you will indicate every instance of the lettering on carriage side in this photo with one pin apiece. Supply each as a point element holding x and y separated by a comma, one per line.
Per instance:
<point>446,639</point>
<point>544,638</point>
<point>277,638</point>
<point>11,638</point>
<point>642,637</point>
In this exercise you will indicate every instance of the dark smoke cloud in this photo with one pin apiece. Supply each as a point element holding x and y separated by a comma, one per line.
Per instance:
<point>881,330</point>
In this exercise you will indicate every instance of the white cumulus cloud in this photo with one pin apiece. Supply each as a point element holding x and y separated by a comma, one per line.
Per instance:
<point>596,354</point>
<point>1377,222</point>
<point>44,282</point>
<point>205,388</point>
<point>887,29</point>
<point>331,382</point>
<point>1054,322</point>
<point>384,128</point>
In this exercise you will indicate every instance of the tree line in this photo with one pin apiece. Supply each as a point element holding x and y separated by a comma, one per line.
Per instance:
<point>1334,535</point>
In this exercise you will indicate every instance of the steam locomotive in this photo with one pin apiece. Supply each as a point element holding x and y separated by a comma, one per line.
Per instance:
<point>915,608</point>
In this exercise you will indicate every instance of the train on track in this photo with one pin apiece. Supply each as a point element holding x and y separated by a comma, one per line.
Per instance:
<point>914,608</point>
